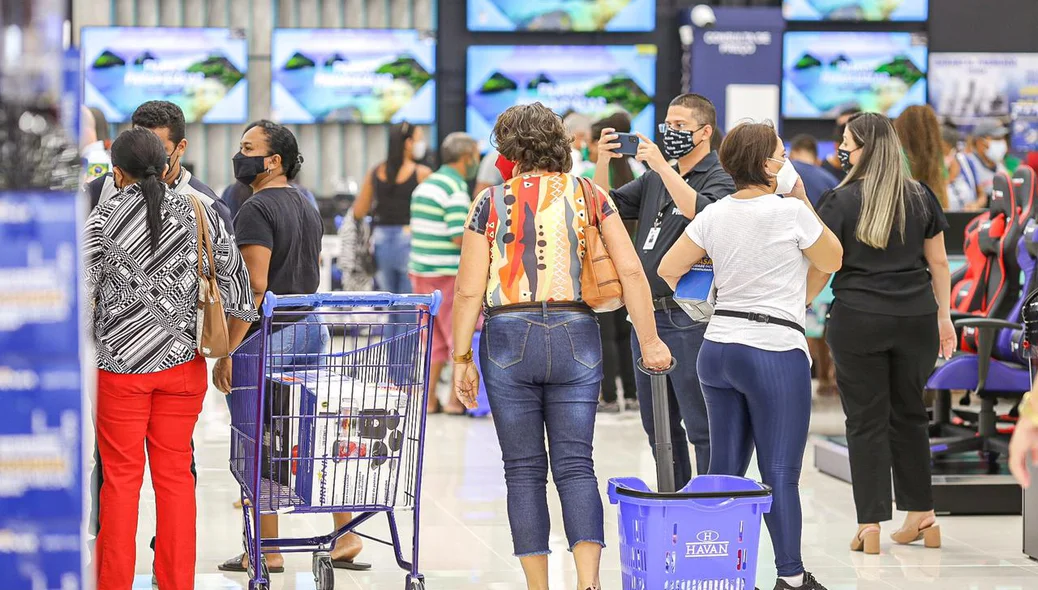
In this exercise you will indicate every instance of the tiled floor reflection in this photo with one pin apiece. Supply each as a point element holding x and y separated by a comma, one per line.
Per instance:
<point>466,543</point>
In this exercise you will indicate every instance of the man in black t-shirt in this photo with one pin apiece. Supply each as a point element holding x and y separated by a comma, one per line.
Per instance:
<point>663,201</point>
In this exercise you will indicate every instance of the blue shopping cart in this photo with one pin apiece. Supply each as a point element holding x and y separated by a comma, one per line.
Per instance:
<point>703,537</point>
<point>327,425</point>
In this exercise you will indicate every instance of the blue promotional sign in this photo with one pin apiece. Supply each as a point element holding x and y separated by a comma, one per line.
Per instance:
<point>737,64</point>
<point>41,501</point>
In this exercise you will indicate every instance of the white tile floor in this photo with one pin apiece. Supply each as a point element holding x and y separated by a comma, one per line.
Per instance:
<point>467,546</point>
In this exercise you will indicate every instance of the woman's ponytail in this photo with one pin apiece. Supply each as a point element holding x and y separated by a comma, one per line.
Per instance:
<point>140,155</point>
<point>154,191</point>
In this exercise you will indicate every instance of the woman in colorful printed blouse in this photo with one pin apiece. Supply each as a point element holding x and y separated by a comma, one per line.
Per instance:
<point>541,351</point>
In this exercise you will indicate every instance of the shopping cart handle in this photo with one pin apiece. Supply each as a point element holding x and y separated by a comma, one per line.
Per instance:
<point>351,299</point>
<point>648,371</point>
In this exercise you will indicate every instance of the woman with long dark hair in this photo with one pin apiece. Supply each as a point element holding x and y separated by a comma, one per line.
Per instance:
<point>890,319</point>
<point>386,195</point>
<point>141,264</point>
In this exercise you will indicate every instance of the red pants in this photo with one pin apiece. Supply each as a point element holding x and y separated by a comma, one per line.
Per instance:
<point>159,409</point>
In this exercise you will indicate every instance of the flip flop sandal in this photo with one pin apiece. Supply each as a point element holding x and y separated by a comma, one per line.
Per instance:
<point>237,565</point>
<point>348,564</point>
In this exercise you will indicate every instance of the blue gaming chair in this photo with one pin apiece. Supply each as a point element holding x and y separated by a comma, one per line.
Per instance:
<point>998,369</point>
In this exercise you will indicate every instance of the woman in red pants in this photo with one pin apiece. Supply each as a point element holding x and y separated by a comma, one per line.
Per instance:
<point>141,272</point>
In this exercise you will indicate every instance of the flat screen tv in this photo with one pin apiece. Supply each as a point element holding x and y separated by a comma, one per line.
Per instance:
<point>203,71</point>
<point>856,10</point>
<point>353,76</point>
<point>824,73</point>
<point>592,80</point>
<point>562,15</point>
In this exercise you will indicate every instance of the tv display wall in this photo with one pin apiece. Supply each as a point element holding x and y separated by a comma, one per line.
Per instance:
<point>562,15</point>
<point>203,71</point>
<point>855,10</point>
<point>827,72</point>
<point>353,75</point>
<point>593,80</point>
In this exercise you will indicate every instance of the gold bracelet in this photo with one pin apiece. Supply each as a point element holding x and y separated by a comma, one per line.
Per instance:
<point>1027,409</point>
<point>463,359</point>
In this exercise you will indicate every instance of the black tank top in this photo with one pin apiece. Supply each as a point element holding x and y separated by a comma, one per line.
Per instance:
<point>393,201</point>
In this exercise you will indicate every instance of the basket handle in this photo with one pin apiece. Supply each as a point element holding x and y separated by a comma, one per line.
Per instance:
<point>345,299</point>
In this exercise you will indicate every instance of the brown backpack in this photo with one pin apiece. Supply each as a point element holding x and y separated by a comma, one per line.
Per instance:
<point>213,339</point>
<point>599,282</point>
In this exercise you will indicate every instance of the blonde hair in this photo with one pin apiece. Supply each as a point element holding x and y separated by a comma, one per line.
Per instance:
<point>883,171</point>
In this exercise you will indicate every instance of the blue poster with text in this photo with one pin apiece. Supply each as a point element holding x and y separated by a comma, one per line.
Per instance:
<point>41,501</point>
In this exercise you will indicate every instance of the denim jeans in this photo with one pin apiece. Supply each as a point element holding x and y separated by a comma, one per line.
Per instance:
<point>542,372</point>
<point>392,245</point>
<point>684,337</point>
<point>298,345</point>
<point>760,398</point>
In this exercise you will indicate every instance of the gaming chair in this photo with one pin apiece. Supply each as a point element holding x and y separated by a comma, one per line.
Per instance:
<point>998,370</point>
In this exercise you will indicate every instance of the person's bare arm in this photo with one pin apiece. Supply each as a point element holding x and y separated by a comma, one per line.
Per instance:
<point>680,259</point>
<point>816,282</point>
<point>362,206</point>
<point>940,273</point>
<point>469,288</point>
<point>635,285</point>
<point>423,172</point>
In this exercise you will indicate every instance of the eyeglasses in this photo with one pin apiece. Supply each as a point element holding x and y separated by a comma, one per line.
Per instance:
<point>663,127</point>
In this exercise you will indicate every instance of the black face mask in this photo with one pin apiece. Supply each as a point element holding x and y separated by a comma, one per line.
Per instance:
<point>845,159</point>
<point>678,144</point>
<point>247,168</point>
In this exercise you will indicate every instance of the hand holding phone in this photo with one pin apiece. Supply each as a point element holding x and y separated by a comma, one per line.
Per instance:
<point>628,144</point>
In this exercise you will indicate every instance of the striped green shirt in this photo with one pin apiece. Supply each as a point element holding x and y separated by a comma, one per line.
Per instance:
<point>439,208</point>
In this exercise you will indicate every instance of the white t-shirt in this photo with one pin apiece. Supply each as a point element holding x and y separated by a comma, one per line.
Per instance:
<point>756,246</point>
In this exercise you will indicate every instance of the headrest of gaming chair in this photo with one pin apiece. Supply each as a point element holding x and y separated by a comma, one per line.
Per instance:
<point>1024,191</point>
<point>1002,197</point>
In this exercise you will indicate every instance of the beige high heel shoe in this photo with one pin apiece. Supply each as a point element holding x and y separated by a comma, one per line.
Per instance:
<point>867,540</point>
<point>930,535</point>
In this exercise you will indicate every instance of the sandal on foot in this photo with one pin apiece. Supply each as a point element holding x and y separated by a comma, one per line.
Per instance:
<point>237,565</point>
<point>343,563</point>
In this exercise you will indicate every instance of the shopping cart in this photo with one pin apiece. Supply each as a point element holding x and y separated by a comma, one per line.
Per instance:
<point>703,537</point>
<point>322,425</point>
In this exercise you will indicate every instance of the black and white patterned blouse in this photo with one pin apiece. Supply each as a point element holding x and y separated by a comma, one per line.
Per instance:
<point>144,304</point>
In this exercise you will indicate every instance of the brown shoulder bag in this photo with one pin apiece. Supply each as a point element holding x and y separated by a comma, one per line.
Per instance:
<point>213,340</point>
<point>599,282</point>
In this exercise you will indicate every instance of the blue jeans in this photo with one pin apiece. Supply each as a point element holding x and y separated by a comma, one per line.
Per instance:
<point>296,346</point>
<point>684,337</point>
<point>762,398</point>
<point>392,247</point>
<point>543,371</point>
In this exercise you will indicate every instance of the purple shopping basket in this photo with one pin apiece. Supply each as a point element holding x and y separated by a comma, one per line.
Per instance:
<point>482,401</point>
<point>703,537</point>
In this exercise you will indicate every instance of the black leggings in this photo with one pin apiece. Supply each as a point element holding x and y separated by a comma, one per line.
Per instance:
<point>882,363</point>
<point>616,355</point>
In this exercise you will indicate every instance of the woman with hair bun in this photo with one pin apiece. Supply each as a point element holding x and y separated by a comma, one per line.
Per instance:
<point>140,267</point>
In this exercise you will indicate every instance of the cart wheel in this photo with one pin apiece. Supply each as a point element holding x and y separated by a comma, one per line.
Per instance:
<point>324,573</point>
<point>415,582</point>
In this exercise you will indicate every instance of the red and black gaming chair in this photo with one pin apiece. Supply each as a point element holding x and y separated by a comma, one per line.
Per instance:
<point>972,294</point>
<point>998,240</point>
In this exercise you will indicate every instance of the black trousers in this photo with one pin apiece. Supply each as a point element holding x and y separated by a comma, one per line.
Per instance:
<point>97,479</point>
<point>616,355</point>
<point>882,363</point>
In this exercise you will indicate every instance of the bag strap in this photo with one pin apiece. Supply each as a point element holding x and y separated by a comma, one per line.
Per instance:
<point>590,200</point>
<point>204,242</point>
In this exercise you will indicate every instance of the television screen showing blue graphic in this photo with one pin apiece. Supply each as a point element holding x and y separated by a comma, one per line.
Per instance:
<point>353,76</point>
<point>856,10</point>
<point>203,71</point>
<point>593,80</point>
<point>561,15</point>
<point>824,73</point>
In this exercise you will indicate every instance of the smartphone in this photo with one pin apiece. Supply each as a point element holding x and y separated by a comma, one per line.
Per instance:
<point>628,144</point>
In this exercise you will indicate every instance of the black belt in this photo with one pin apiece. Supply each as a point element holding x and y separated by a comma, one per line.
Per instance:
<point>760,318</point>
<point>542,306</point>
<point>664,303</point>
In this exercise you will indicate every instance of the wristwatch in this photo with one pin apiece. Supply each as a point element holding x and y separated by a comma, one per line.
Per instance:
<point>464,358</point>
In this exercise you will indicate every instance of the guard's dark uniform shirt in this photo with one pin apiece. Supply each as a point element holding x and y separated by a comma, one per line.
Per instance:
<point>647,200</point>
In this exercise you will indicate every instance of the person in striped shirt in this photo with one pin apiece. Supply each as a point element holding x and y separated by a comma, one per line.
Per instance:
<point>439,208</point>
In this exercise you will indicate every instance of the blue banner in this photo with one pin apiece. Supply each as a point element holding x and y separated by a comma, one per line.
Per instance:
<point>41,501</point>
<point>737,64</point>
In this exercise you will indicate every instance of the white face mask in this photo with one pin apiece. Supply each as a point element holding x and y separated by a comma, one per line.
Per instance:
<point>418,150</point>
<point>786,177</point>
<point>997,150</point>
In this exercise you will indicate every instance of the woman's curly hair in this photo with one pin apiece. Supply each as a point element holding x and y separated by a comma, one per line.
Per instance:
<point>534,137</point>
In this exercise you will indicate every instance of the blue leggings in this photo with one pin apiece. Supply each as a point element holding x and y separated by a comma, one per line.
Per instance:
<point>761,398</point>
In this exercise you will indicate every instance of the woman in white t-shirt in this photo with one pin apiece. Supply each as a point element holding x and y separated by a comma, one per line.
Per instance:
<point>754,365</point>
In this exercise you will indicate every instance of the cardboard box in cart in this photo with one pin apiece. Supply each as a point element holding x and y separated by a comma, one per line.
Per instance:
<point>350,440</point>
